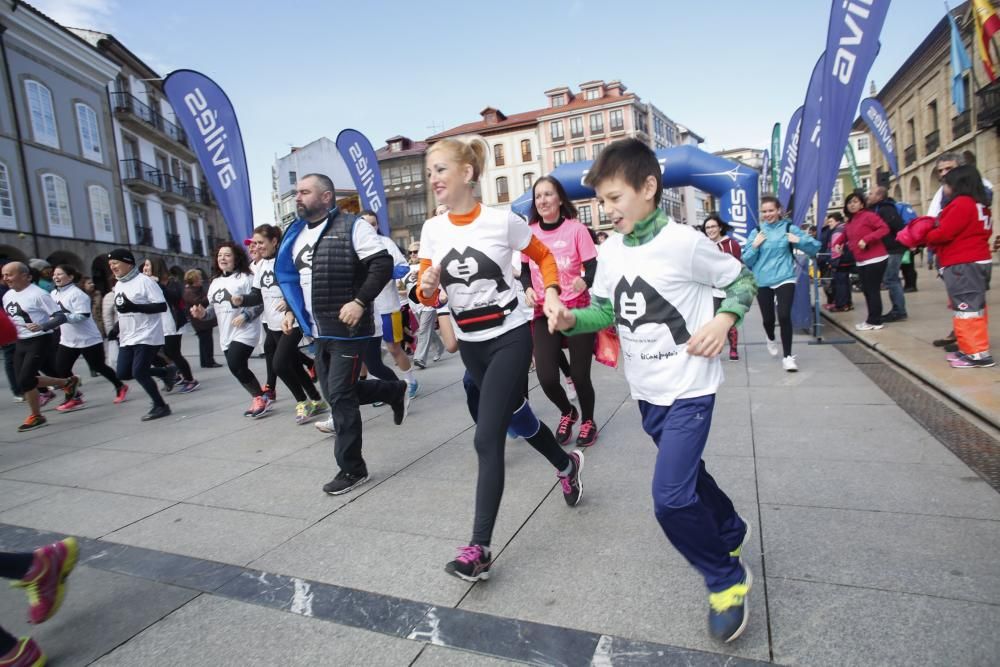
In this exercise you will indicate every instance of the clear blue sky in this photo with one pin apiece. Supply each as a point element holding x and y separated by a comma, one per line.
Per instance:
<point>297,70</point>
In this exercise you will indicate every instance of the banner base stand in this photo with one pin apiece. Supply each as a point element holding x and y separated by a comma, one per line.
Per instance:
<point>833,341</point>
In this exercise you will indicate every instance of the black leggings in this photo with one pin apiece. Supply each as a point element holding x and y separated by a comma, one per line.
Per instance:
<point>238,357</point>
<point>206,347</point>
<point>135,361</point>
<point>548,358</point>
<point>172,350</point>
<point>785,294</point>
<point>496,366</point>
<point>284,360</point>
<point>32,356</point>
<point>871,285</point>
<point>373,360</point>
<point>93,355</point>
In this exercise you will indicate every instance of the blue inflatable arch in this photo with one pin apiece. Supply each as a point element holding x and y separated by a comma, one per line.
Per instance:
<point>734,185</point>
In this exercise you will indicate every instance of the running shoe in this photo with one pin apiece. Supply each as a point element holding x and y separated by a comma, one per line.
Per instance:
<point>32,422</point>
<point>378,404</point>
<point>572,485</point>
<point>965,361</point>
<point>588,433</point>
<point>300,413</point>
<point>950,347</point>
<point>18,398</point>
<point>320,406</point>
<point>170,381</point>
<point>344,482</point>
<point>865,326</point>
<point>952,356</point>
<point>401,407</point>
<point>570,389</point>
<point>45,580</point>
<point>72,386</point>
<point>26,653</point>
<point>261,405</point>
<point>44,397</point>
<point>270,392</point>
<point>70,404</point>
<point>157,412</point>
<point>772,348</point>
<point>412,387</point>
<point>728,611</point>
<point>188,386</point>
<point>565,428</point>
<point>419,364</point>
<point>326,426</point>
<point>788,363</point>
<point>121,393</point>
<point>472,563</point>
<point>947,340</point>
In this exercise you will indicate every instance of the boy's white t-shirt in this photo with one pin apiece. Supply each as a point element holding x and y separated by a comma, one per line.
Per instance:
<point>220,297</point>
<point>77,335</point>
<point>662,294</point>
<point>476,261</point>
<point>139,328</point>
<point>32,305</point>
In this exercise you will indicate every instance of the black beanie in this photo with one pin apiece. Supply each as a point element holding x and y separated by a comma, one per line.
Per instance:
<point>122,255</point>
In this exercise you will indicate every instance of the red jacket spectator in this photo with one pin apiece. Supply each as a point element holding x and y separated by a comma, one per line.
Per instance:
<point>963,232</point>
<point>870,228</point>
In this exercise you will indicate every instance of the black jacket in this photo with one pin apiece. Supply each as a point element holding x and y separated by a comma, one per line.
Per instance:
<point>886,209</point>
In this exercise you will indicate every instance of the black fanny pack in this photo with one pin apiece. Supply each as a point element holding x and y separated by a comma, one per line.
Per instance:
<point>487,317</point>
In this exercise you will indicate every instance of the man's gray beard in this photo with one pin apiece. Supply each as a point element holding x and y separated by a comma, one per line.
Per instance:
<point>309,213</point>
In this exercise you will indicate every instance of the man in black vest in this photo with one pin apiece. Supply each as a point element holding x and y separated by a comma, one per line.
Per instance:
<point>330,268</point>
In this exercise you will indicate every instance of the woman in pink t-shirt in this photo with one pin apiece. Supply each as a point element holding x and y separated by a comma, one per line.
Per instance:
<point>553,221</point>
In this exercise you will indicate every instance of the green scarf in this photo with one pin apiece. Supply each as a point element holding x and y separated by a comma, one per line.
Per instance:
<point>646,229</point>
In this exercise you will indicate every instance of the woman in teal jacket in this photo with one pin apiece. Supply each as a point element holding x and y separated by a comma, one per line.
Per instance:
<point>768,253</point>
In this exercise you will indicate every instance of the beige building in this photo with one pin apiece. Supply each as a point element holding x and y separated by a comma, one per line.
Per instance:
<point>924,120</point>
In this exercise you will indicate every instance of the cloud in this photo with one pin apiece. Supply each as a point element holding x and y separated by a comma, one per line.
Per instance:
<point>89,14</point>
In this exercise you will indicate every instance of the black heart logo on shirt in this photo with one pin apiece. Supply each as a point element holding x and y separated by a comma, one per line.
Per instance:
<point>637,303</point>
<point>119,299</point>
<point>14,310</point>
<point>267,279</point>
<point>469,266</point>
<point>304,260</point>
<point>222,295</point>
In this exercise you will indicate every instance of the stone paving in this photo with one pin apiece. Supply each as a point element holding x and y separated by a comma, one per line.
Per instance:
<point>207,540</point>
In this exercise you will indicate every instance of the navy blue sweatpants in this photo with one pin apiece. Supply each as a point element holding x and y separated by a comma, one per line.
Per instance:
<point>694,513</point>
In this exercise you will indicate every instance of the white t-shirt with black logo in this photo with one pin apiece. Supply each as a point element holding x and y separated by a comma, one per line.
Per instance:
<point>265,280</point>
<point>139,328</point>
<point>476,261</point>
<point>78,335</point>
<point>32,305</point>
<point>366,243</point>
<point>388,299</point>
<point>662,295</point>
<point>220,297</point>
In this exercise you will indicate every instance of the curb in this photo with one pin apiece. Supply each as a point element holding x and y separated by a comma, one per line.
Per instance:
<point>926,379</point>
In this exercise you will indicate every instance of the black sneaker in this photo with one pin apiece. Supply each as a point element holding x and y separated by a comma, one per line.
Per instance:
<point>472,563</point>
<point>158,412</point>
<point>893,317</point>
<point>401,406</point>
<point>419,364</point>
<point>565,428</point>
<point>344,482</point>
<point>170,381</point>
<point>941,342</point>
<point>951,347</point>
<point>572,485</point>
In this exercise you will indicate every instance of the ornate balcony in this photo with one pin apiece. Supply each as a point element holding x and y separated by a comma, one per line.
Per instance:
<point>989,105</point>
<point>932,141</point>
<point>141,177</point>
<point>144,235</point>
<point>961,124</point>
<point>146,120</point>
<point>910,154</point>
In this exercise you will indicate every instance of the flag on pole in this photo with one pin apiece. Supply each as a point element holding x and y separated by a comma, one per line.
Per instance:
<point>852,166</point>
<point>987,24</point>
<point>775,152</point>
<point>959,64</point>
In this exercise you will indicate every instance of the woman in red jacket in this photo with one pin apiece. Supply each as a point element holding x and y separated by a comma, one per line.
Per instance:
<point>961,241</point>
<point>718,232</point>
<point>864,238</point>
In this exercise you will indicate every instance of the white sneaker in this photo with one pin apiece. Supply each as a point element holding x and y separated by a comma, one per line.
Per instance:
<point>325,426</point>
<point>772,348</point>
<point>788,363</point>
<point>570,389</point>
<point>864,326</point>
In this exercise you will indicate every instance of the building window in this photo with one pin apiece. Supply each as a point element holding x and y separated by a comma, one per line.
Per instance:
<point>525,150</point>
<point>592,94</point>
<point>57,205</point>
<point>416,210</point>
<point>498,155</point>
<point>617,120</point>
<point>503,195</point>
<point>558,158</point>
<point>863,142</point>
<point>837,198</point>
<point>90,133</point>
<point>932,116</point>
<point>558,100</point>
<point>579,153</point>
<point>596,123</point>
<point>6,200</point>
<point>100,213</point>
<point>43,117</point>
<point>293,178</point>
<point>557,130</point>
<point>527,181</point>
<point>583,213</point>
<point>576,127</point>
<point>597,150</point>
<point>601,215</point>
<point>866,183</point>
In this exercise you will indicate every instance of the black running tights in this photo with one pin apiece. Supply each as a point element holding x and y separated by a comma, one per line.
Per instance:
<point>784,294</point>
<point>238,358</point>
<point>93,355</point>
<point>548,354</point>
<point>284,360</point>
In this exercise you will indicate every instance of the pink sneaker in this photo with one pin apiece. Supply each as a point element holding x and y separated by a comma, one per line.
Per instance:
<point>71,404</point>
<point>45,581</point>
<point>44,397</point>
<point>472,563</point>
<point>25,653</point>
<point>121,394</point>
